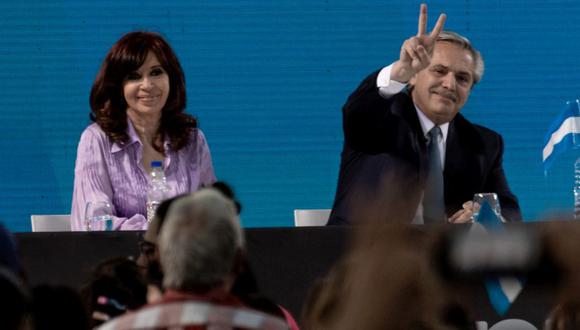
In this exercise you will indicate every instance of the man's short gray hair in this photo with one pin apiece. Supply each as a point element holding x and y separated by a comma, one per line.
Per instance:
<point>463,42</point>
<point>199,241</point>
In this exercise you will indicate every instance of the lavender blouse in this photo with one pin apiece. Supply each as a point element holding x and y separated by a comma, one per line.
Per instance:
<point>107,171</point>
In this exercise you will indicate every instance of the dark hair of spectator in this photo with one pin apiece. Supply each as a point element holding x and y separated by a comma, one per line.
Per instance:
<point>8,251</point>
<point>108,104</point>
<point>222,187</point>
<point>15,302</point>
<point>115,287</point>
<point>225,189</point>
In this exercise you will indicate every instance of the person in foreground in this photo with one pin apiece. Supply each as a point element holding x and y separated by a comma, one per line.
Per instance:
<point>392,276</point>
<point>403,123</point>
<point>137,105</point>
<point>199,248</point>
<point>115,286</point>
<point>15,305</point>
<point>245,286</point>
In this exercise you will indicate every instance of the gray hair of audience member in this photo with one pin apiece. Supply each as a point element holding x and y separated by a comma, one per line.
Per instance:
<point>199,241</point>
<point>463,42</point>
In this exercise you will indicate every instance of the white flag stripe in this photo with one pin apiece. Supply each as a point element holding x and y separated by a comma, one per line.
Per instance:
<point>570,125</point>
<point>511,287</point>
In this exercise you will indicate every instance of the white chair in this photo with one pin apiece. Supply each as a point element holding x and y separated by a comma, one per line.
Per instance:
<point>311,218</point>
<point>57,222</point>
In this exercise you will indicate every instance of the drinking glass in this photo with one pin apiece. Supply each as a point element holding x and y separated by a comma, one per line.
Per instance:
<point>491,199</point>
<point>99,216</point>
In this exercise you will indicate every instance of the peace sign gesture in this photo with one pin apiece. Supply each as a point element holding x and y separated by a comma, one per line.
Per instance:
<point>416,51</point>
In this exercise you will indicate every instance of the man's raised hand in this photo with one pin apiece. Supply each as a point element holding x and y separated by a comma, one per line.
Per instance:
<point>416,51</point>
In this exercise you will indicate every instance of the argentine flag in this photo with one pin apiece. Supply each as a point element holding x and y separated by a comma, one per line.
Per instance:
<point>563,134</point>
<point>502,291</point>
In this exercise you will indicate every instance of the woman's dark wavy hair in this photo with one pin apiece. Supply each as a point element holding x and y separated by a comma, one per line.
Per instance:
<point>108,104</point>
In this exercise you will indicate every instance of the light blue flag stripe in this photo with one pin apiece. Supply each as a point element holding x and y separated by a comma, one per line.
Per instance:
<point>563,134</point>
<point>499,299</point>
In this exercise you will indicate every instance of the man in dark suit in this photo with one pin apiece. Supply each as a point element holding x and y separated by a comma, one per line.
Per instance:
<point>404,136</point>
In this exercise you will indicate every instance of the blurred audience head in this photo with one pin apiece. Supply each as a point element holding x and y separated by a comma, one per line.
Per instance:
<point>58,307</point>
<point>225,189</point>
<point>149,253</point>
<point>389,279</point>
<point>115,287</point>
<point>14,301</point>
<point>8,251</point>
<point>561,248</point>
<point>200,242</point>
<point>154,228</point>
<point>323,301</point>
<point>148,259</point>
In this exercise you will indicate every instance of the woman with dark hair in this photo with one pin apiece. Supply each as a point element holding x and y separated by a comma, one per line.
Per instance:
<point>138,108</point>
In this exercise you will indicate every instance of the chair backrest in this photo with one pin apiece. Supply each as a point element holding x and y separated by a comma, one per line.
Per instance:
<point>52,222</point>
<point>310,218</point>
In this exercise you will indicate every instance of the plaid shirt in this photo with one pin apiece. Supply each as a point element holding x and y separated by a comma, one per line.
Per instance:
<point>189,312</point>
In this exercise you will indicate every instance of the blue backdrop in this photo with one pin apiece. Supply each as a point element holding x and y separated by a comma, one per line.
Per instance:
<point>267,81</point>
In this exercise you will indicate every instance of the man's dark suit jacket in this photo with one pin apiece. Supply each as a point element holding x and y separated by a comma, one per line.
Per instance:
<point>385,152</point>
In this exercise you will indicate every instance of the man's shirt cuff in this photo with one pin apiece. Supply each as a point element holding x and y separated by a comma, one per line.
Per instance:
<point>388,87</point>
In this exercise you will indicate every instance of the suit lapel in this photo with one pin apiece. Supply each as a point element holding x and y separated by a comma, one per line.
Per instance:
<point>454,154</point>
<point>462,170</point>
<point>404,108</point>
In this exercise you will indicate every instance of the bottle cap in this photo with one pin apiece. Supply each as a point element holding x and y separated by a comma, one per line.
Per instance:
<point>156,163</point>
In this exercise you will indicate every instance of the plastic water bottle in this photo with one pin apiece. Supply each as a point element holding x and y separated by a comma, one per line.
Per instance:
<point>158,189</point>
<point>577,189</point>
